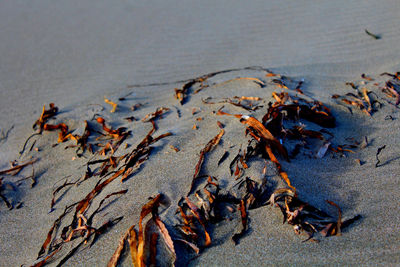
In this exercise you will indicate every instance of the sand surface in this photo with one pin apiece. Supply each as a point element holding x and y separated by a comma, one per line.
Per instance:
<point>74,53</point>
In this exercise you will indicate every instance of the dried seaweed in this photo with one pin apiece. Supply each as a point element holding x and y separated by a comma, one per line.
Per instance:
<point>181,94</point>
<point>377,153</point>
<point>96,233</point>
<point>196,212</point>
<point>58,189</point>
<point>243,102</point>
<point>223,158</point>
<point>376,37</point>
<point>4,135</point>
<point>45,116</point>
<point>122,192</point>
<point>63,134</point>
<point>114,105</point>
<point>243,215</point>
<point>137,241</point>
<point>303,216</point>
<point>117,254</point>
<point>46,259</point>
<point>53,229</point>
<point>392,89</point>
<point>18,167</point>
<point>154,115</point>
<point>82,140</point>
<point>261,131</point>
<point>267,138</point>
<point>165,235</point>
<point>210,145</point>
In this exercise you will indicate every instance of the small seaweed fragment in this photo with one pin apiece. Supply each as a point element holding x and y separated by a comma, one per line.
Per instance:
<point>117,254</point>
<point>137,242</point>
<point>165,235</point>
<point>337,227</point>
<point>352,85</point>
<point>82,140</point>
<point>149,207</point>
<point>210,145</point>
<point>305,217</point>
<point>4,134</point>
<point>280,83</point>
<point>261,131</point>
<point>46,259</point>
<point>45,116</point>
<point>197,213</point>
<point>90,232</point>
<point>364,76</point>
<point>136,106</point>
<point>389,117</point>
<point>90,219</point>
<point>174,148</point>
<point>53,229</point>
<point>360,101</point>
<point>18,168</point>
<point>391,89</point>
<point>133,245</point>
<point>223,158</point>
<point>298,87</point>
<point>114,105</point>
<point>63,134</point>
<point>244,219</point>
<point>58,189</point>
<point>243,102</point>
<point>376,37</point>
<point>130,119</point>
<point>394,76</point>
<point>114,133</point>
<point>377,153</point>
<point>154,115</point>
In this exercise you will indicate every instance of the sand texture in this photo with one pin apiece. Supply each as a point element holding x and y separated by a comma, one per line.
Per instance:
<point>76,53</point>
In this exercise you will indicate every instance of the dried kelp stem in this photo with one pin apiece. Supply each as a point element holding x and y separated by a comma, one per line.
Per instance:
<point>18,167</point>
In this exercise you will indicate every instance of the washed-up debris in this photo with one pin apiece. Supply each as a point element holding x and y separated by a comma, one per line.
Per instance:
<point>377,154</point>
<point>210,145</point>
<point>137,240</point>
<point>113,104</point>
<point>278,135</point>
<point>376,37</point>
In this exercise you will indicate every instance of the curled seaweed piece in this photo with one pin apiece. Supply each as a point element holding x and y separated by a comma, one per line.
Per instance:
<point>113,104</point>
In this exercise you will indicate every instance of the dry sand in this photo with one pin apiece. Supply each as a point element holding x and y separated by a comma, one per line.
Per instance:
<point>75,53</point>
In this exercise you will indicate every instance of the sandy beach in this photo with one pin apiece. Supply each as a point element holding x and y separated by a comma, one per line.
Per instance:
<point>77,53</point>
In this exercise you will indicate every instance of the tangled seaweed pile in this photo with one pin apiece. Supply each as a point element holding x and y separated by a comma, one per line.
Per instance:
<point>280,134</point>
